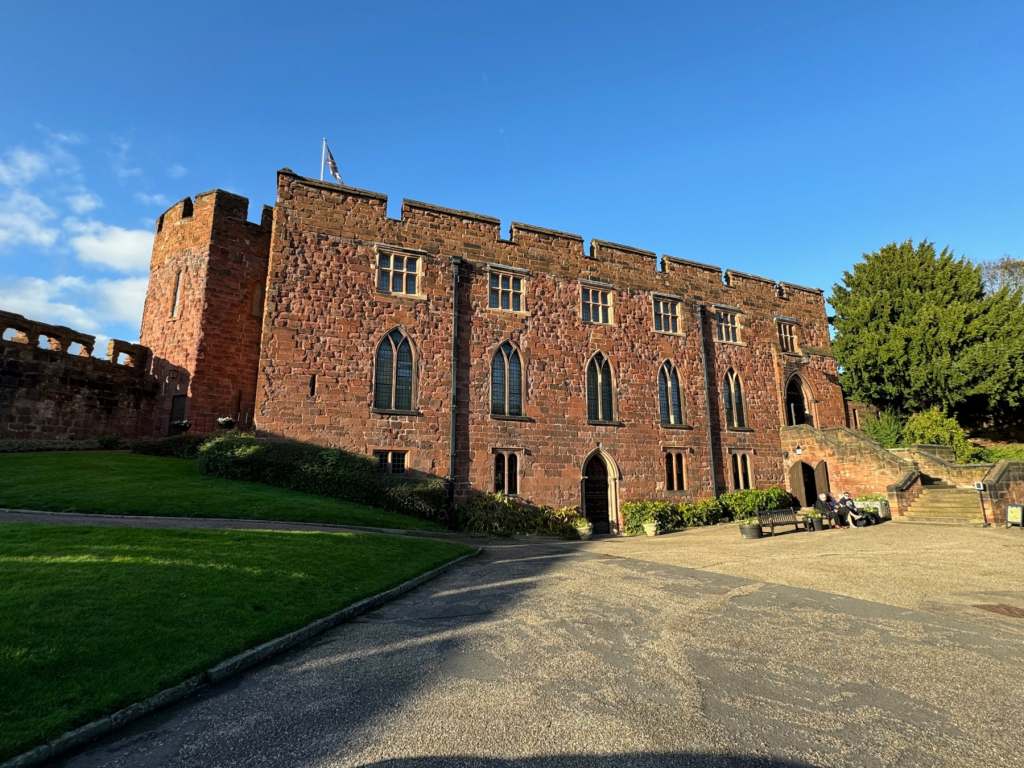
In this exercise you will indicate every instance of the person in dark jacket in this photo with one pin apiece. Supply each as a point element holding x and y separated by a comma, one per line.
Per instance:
<point>827,509</point>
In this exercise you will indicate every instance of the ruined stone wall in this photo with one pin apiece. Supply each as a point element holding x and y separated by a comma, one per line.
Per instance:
<point>60,392</point>
<point>324,318</point>
<point>206,344</point>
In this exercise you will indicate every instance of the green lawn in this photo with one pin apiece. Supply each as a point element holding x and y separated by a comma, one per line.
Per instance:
<point>119,483</point>
<point>93,619</point>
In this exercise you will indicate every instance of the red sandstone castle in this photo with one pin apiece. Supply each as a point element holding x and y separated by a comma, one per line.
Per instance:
<point>528,364</point>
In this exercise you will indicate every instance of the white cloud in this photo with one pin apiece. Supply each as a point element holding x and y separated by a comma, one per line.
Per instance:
<point>126,250</point>
<point>84,201</point>
<point>23,221</point>
<point>90,306</point>
<point>177,170</point>
<point>151,199</point>
<point>45,300</point>
<point>20,166</point>
<point>123,168</point>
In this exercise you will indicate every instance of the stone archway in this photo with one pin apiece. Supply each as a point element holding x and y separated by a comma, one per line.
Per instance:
<point>599,486</point>
<point>798,402</point>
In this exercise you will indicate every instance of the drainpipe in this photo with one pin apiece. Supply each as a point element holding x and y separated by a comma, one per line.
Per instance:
<point>707,396</point>
<point>453,454</point>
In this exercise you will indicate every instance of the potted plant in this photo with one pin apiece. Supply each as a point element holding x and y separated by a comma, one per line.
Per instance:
<point>813,520</point>
<point>750,527</point>
<point>180,426</point>
<point>584,528</point>
<point>225,422</point>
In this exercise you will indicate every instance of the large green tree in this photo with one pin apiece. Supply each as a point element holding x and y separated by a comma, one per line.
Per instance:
<point>915,329</point>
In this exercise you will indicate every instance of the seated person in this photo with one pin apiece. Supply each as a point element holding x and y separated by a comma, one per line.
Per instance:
<point>855,517</point>
<point>827,508</point>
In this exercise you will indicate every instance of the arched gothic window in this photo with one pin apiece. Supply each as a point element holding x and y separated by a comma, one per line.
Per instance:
<point>732,394</point>
<point>599,389</point>
<point>393,373</point>
<point>506,381</point>
<point>670,399</point>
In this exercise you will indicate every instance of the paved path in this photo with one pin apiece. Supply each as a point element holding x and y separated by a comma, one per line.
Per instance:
<point>543,654</point>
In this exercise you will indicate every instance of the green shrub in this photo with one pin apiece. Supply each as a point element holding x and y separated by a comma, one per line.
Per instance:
<point>183,446</point>
<point>109,442</point>
<point>670,516</point>
<point>740,504</point>
<point>427,498</point>
<point>933,427</point>
<point>495,514</point>
<point>322,471</point>
<point>1009,452</point>
<point>886,429</point>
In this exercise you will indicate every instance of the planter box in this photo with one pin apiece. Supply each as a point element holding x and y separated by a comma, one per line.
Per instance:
<point>880,508</point>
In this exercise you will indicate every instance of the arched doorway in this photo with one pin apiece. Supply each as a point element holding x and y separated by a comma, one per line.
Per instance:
<point>597,492</point>
<point>797,411</point>
<point>802,483</point>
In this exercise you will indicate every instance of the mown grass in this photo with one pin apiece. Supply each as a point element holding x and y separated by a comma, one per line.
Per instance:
<point>93,619</point>
<point>120,483</point>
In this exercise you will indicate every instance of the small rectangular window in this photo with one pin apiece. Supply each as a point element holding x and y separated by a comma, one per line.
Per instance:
<point>176,296</point>
<point>675,470</point>
<point>505,291</point>
<point>666,315</point>
<point>397,273</point>
<point>258,295</point>
<point>741,471</point>
<point>506,472</point>
<point>787,336</point>
<point>596,305</point>
<point>391,462</point>
<point>727,326</point>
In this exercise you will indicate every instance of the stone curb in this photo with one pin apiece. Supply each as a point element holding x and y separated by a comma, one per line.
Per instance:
<point>218,673</point>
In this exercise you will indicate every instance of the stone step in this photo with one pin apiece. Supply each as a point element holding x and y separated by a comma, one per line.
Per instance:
<point>947,503</point>
<point>952,514</point>
<point>907,520</point>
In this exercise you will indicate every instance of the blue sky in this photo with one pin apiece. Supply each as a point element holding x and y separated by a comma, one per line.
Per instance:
<point>783,139</point>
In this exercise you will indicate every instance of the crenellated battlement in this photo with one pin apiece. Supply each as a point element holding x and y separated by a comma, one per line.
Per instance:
<point>202,210</point>
<point>20,330</point>
<point>350,211</point>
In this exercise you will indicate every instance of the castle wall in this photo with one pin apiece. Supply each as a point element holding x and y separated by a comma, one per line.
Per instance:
<point>324,318</point>
<point>60,392</point>
<point>206,343</point>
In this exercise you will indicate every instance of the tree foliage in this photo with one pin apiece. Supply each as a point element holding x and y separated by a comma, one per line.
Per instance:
<point>933,427</point>
<point>1006,272</point>
<point>915,330</point>
<point>886,429</point>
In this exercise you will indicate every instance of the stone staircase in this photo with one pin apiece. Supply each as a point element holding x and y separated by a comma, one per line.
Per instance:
<point>939,502</point>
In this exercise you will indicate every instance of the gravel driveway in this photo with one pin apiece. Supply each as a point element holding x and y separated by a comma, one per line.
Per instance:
<point>620,653</point>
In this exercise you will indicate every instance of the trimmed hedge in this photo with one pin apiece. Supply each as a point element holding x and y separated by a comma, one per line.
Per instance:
<point>740,504</point>
<point>322,471</point>
<point>674,516</point>
<point>495,514</point>
<point>183,446</point>
<point>670,516</point>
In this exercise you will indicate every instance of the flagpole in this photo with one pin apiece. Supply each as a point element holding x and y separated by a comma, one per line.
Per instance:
<point>323,156</point>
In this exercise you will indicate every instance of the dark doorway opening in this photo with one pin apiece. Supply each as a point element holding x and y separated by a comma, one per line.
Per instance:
<point>821,482</point>
<point>595,493</point>
<point>801,481</point>
<point>796,404</point>
<point>176,422</point>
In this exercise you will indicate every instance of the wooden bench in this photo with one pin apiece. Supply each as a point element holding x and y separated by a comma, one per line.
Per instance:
<point>773,517</point>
